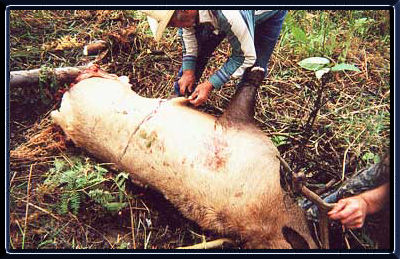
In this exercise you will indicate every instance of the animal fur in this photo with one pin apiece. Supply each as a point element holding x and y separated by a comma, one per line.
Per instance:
<point>221,173</point>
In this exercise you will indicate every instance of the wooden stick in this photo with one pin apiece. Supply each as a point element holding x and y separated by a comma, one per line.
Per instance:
<point>40,208</point>
<point>208,245</point>
<point>27,206</point>
<point>323,227</point>
<point>132,223</point>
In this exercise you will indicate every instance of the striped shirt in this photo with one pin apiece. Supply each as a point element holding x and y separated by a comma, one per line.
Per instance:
<point>238,25</point>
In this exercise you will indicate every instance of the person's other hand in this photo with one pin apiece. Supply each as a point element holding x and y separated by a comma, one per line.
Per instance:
<point>350,211</point>
<point>201,93</point>
<point>186,81</point>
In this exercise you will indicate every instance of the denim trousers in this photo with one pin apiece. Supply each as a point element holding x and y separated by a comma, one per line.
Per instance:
<point>265,37</point>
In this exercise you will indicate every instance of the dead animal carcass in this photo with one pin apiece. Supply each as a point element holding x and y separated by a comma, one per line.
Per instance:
<point>222,173</point>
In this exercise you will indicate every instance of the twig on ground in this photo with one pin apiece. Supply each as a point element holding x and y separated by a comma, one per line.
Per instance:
<point>28,188</point>
<point>209,244</point>
<point>346,151</point>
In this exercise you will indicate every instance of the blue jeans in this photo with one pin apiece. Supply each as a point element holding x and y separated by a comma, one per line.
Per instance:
<point>265,37</point>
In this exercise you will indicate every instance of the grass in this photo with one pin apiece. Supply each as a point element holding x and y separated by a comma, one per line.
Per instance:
<point>331,127</point>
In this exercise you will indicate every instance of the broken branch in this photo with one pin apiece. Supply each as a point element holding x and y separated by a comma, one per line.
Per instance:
<point>209,245</point>
<point>27,78</point>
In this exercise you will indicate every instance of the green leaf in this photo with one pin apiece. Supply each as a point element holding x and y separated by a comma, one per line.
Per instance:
<point>344,66</point>
<point>115,206</point>
<point>100,196</point>
<point>58,164</point>
<point>370,156</point>
<point>75,201</point>
<point>279,140</point>
<point>46,242</point>
<point>123,245</point>
<point>361,22</point>
<point>314,63</point>
<point>100,170</point>
<point>122,175</point>
<point>120,179</point>
<point>63,205</point>
<point>299,34</point>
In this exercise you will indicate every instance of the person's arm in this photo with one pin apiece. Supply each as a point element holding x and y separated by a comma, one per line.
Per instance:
<point>240,33</point>
<point>189,51</point>
<point>352,211</point>
<point>189,48</point>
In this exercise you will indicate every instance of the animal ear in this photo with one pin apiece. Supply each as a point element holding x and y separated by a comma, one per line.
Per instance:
<point>294,238</point>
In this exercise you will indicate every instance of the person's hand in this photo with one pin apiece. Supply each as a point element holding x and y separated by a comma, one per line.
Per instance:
<point>350,211</point>
<point>201,93</point>
<point>186,81</point>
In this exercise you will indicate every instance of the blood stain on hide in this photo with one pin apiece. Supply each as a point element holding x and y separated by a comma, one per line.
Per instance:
<point>238,194</point>
<point>216,157</point>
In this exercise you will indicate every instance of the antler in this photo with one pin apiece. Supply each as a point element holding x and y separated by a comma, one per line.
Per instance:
<point>324,207</point>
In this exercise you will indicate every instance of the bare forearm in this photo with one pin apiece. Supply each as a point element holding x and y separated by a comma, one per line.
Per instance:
<point>352,211</point>
<point>376,198</point>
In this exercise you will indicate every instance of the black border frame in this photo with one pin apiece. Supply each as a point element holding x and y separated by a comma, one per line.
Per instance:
<point>394,8</point>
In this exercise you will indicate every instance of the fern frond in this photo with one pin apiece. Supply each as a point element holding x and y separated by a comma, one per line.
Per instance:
<point>63,205</point>
<point>75,201</point>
